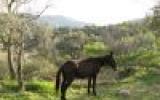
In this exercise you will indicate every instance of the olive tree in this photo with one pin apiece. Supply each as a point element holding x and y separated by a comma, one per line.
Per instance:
<point>13,28</point>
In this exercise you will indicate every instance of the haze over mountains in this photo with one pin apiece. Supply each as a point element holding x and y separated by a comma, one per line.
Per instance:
<point>62,21</point>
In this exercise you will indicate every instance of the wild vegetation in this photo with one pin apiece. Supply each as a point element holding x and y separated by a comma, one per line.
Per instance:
<point>32,51</point>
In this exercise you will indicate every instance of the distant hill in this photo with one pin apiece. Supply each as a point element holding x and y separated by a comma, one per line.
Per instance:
<point>62,21</point>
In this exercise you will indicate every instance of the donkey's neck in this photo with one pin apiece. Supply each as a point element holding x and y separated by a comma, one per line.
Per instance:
<point>101,61</point>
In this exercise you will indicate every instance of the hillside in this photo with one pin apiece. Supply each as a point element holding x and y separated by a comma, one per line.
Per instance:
<point>63,21</point>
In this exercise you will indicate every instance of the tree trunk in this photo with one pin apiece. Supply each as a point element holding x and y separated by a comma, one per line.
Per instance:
<point>10,63</point>
<point>10,5</point>
<point>19,71</point>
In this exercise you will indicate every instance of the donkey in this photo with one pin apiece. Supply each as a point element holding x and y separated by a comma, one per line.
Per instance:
<point>87,68</point>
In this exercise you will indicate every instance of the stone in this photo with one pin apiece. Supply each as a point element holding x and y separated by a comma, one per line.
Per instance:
<point>124,92</point>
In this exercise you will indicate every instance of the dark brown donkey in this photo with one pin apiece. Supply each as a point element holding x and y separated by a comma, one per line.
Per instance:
<point>87,68</point>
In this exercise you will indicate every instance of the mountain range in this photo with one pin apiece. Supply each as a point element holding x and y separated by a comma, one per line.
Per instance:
<point>62,21</point>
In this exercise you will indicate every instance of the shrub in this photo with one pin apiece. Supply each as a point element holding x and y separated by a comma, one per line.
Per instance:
<point>95,48</point>
<point>8,86</point>
<point>40,86</point>
<point>3,70</point>
<point>39,68</point>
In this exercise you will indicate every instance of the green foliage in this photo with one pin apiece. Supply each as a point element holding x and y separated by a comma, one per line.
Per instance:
<point>12,27</point>
<point>39,86</point>
<point>33,86</point>
<point>70,45</point>
<point>95,48</point>
<point>39,68</point>
<point>155,25</point>
<point>3,70</point>
<point>8,86</point>
<point>145,40</point>
<point>146,58</point>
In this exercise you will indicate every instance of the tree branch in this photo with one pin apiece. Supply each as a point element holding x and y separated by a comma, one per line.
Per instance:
<point>25,1</point>
<point>9,5</point>
<point>46,7</point>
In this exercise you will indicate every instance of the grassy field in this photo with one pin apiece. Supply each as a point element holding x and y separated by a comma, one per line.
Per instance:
<point>143,85</point>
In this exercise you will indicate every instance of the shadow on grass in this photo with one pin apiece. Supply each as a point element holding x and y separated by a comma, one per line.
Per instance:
<point>149,79</point>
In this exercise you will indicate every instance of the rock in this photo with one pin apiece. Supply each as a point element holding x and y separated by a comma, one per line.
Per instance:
<point>124,92</point>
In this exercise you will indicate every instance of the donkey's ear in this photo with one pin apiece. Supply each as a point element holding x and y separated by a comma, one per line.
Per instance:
<point>111,53</point>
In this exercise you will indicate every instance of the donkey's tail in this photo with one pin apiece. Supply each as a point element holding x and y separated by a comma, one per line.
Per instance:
<point>58,79</point>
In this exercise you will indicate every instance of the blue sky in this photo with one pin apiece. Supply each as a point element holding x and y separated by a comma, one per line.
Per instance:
<point>96,11</point>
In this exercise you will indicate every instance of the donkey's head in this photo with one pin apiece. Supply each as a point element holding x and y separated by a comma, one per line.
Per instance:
<point>109,60</point>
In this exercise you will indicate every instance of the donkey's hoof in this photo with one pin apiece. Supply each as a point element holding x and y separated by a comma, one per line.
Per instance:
<point>94,94</point>
<point>62,98</point>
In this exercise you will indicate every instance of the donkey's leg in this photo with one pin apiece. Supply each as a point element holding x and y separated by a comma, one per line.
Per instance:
<point>89,84</point>
<point>63,88</point>
<point>94,84</point>
<point>65,85</point>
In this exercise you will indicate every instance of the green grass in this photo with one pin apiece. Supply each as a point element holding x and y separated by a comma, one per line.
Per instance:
<point>143,85</point>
